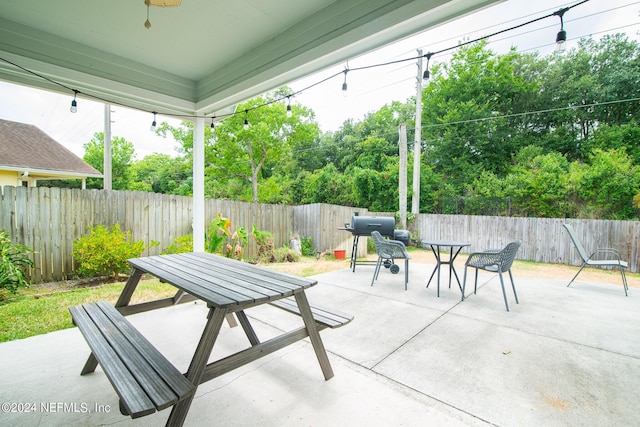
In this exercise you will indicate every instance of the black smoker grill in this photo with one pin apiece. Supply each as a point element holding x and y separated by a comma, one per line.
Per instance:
<point>364,225</point>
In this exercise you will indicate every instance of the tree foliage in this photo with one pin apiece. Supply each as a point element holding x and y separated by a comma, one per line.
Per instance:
<point>122,157</point>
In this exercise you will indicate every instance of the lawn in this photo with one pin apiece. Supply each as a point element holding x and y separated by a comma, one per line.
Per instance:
<point>40,310</point>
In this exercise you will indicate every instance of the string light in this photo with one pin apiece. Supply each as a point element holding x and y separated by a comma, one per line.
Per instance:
<point>344,85</point>
<point>246,120</point>
<point>560,44</point>
<point>74,103</point>
<point>147,23</point>
<point>426,74</point>
<point>561,37</point>
<point>212,123</point>
<point>153,123</point>
<point>289,113</point>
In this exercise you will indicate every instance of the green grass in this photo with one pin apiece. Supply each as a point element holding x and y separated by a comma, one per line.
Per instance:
<point>34,312</point>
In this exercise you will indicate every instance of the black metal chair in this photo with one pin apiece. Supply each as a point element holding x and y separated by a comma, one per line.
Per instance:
<point>388,251</point>
<point>495,261</point>
<point>614,258</point>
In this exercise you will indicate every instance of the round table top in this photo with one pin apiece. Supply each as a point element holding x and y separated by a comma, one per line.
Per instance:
<point>444,243</point>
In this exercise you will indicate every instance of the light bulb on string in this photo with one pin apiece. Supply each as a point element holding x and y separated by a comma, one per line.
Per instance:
<point>246,120</point>
<point>344,85</point>
<point>561,37</point>
<point>289,112</point>
<point>427,74</point>
<point>212,123</point>
<point>74,103</point>
<point>147,23</point>
<point>153,123</point>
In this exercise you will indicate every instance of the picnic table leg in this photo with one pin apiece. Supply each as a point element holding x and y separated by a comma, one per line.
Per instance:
<point>248,329</point>
<point>314,336</point>
<point>129,288</point>
<point>198,363</point>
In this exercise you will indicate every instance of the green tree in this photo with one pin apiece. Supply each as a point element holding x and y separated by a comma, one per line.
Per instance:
<point>161,173</point>
<point>464,109</point>
<point>539,186</point>
<point>267,141</point>
<point>122,157</point>
<point>326,185</point>
<point>609,184</point>
<point>626,136</point>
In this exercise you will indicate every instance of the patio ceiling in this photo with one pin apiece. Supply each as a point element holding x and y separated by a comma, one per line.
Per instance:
<point>204,56</point>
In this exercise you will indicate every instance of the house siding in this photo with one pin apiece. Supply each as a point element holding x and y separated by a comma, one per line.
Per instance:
<point>8,178</point>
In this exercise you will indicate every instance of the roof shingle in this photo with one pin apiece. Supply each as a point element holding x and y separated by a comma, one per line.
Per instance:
<point>26,146</point>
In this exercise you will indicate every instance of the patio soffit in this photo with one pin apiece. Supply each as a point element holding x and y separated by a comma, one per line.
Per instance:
<point>203,56</point>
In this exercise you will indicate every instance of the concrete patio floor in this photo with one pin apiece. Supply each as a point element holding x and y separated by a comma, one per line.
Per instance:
<point>563,356</point>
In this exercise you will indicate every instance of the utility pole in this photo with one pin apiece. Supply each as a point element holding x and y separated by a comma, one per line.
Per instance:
<point>402,142</point>
<point>415,200</point>
<point>106,181</point>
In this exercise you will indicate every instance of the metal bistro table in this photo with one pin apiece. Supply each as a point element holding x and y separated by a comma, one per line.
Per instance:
<point>453,253</point>
<point>227,286</point>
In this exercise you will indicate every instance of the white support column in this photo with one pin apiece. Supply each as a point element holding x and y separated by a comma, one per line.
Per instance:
<point>198,185</point>
<point>107,180</point>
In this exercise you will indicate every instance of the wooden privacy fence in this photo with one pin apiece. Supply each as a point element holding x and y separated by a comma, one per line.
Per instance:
<point>544,239</point>
<point>48,220</point>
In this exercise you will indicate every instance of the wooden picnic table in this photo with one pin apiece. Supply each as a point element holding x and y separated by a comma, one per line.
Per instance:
<point>228,287</point>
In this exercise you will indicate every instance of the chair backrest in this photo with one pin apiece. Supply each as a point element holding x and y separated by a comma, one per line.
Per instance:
<point>377,238</point>
<point>508,254</point>
<point>581,251</point>
<point>388,248</point>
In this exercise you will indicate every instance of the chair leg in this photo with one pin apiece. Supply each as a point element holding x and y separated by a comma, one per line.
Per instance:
<point>514,287</point>
<point>574,277</point>
<point>376,271</point>
<point>504,294</point>
<point>406,273</point>
<point>624,281</point>
<point>475,286</point>
<point>464,281</point>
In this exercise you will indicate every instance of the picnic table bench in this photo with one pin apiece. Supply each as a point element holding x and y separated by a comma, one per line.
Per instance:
<point>143,378</point>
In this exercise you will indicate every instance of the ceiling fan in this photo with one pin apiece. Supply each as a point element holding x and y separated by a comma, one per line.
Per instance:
<point>159,3</point>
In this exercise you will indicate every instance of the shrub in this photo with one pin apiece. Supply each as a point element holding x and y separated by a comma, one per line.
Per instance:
<point>284,254</point>
<point>306,244</point>
<point>180,245</point>
<point>14,260</point>
<point>104,251</point>
<point>264,240</point>
<point>220,239</point>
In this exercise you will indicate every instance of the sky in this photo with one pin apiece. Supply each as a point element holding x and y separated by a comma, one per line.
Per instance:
<point>368,90</point>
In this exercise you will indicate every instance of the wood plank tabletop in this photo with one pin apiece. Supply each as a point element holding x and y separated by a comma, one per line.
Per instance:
<point>220,281</point>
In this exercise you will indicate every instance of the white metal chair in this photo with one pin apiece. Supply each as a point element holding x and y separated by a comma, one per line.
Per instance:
<point>495,261</point>
<point>388,251</point>
<point>604,257</point>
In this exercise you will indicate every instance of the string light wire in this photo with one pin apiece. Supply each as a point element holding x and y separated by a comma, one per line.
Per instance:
<point>293,94</point>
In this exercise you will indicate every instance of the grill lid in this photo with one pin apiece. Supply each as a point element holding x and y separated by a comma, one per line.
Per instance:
<point>364,225</point>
